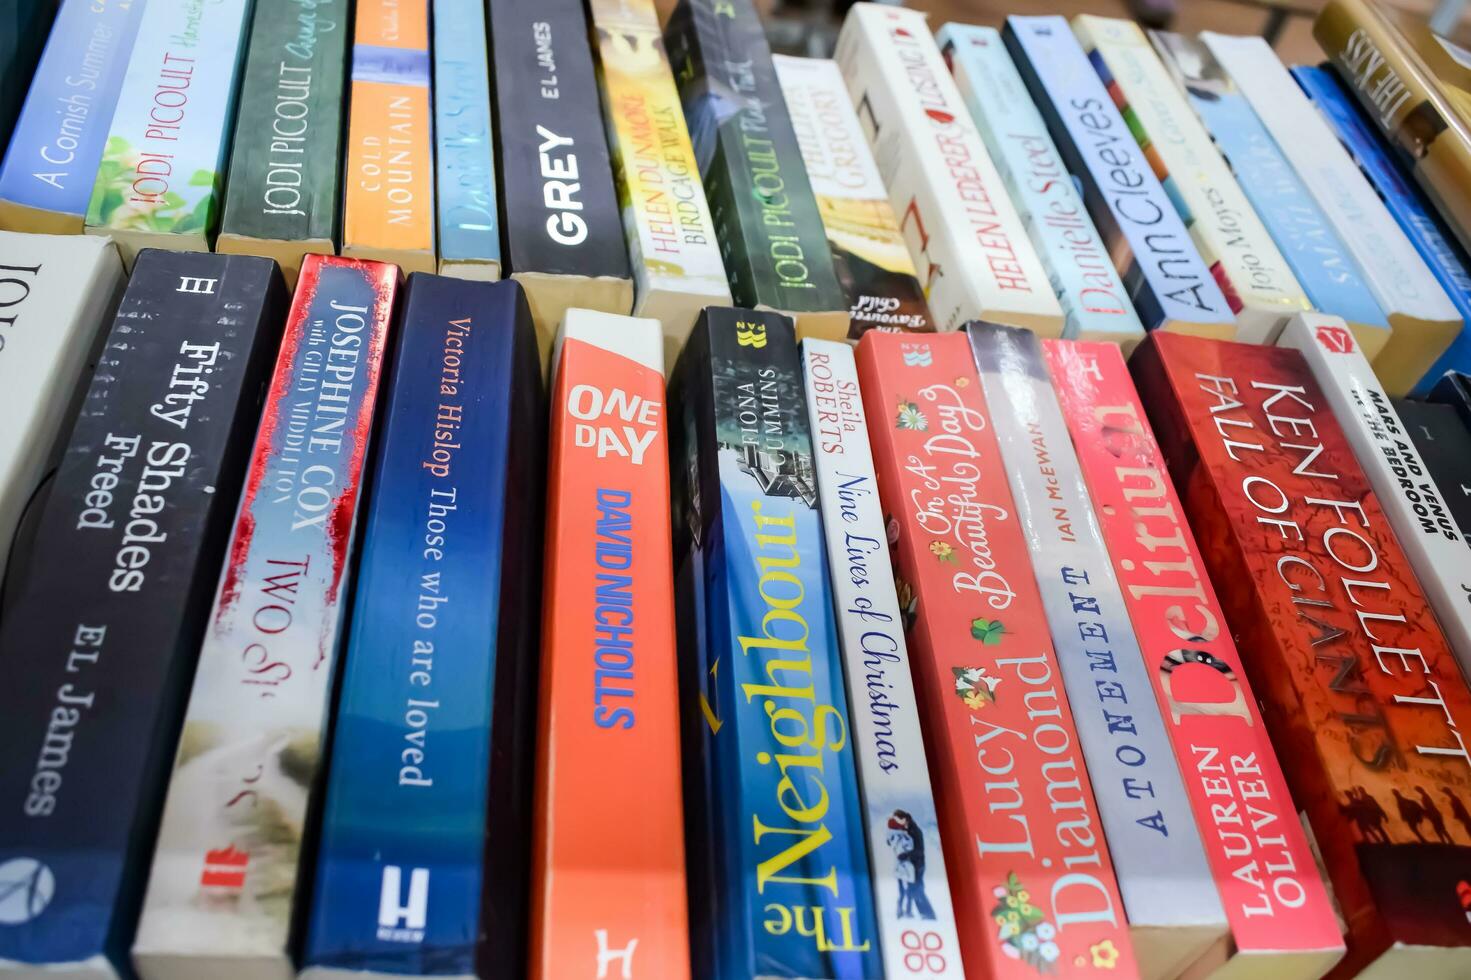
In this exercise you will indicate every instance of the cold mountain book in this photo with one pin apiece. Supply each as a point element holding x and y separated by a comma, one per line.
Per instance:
<point>1445,446</point>
<point>1169,283</point>
<point>222,891</point>
<point>1175,916</point>
<point>430,769</point>
<point>918,934</point>
<point>1030,871</point>
<point>103,621</point>
<point>1094,298</point>
<point>466,207</point>
<point>608,764</point>
<point>1231,239</point>
<point>967,241</point>
<point>1359,689</point>
<point>54,152</point>
<point>779,875</point>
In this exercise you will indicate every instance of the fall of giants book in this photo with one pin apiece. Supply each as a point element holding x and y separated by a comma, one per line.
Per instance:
<point>222,893</point>
<point>1359,689</point>
<point>1030,871</point>
<point>102,629</point>
<point>608,875</point>
<point>1445,446</point>
<point>1282,919</point>
<point>778,860</point>
<point>465,200</point>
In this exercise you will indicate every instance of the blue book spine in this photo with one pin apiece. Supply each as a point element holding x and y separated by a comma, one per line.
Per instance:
<point>1415,214</point>
<point>464,147</point>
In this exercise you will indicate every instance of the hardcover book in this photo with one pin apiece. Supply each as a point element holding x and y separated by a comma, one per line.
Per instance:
<point>608,765</point>
<point>102,628</point>
<point>1281,916</point>
<point>161,176</point>
<point>1423,318</point>
<point>464,144</point>
<point>1454,389</point>
<point>285,175</point>
<point>429,771</point>
<point>916,918</point>
<point>1172,289</point>
<point>869,254</point>
<point>1030,872</point>
<point>222,892</point>
<point>54,152</point>
<point>677,269</point>
<point>388,194</point>
<point>1094,299</point>
<point>559,210</point>
<point>778,862</point>
<point>1445,446</point>
<point>1231,239</point>
<point>1359,689</point>
<point>1174,914</point>
<point>967,241</point>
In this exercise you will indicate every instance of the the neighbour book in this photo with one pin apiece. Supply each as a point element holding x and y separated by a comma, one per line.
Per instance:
<point>466,206</point>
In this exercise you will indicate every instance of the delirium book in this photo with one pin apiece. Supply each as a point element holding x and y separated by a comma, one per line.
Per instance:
<point>104,619</point>
<point>1445,446</point>
<point>608,885</point>
<point>1359,687</point>
<point>467,210</point>
<point>222,892</point>
<point>429,772</point>
<point>1175,916</point>
<point>967,241</point>
<point>1094,299</point>
<point>1282,919</point>
<point>1030,872</point>
<point>916,918</point>
<point>778,861</point>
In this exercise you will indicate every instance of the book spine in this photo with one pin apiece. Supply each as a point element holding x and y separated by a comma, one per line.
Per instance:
<point>869,255</point>
<point>1093,297</point>
<point>916,919</point>
<point>109,615</point>
<point>464,143</point>
<point>388,197</point>
<point>1454,389</point>
<point>20,48</point>
<point>1323,591</point>
<point>779,885</point>
<point>235,814</point>
<point>1445,446</point>
<point>609,691</point>
<point>1172,288</point>
<point>1033,890</point>
<point>967,241</point>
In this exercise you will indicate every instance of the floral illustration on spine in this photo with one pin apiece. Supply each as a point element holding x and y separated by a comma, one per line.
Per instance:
<point>975,687</point>
<point>1023,928</point>
<point>911,418</point>
<point>117,203</point>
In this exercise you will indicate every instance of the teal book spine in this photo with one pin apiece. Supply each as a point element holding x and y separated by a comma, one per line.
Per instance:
<point>464,144</point>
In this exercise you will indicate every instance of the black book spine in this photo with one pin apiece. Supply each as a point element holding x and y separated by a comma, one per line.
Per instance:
<point>1445,446</point>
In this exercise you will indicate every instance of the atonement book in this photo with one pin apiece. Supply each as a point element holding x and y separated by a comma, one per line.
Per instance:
<point>222,891</point>
<point>1094,298</point>
<point>1170,900</point>
<point>608,870</point>
<point>102,624</point>
<point>429,771</point>
<point>1359,689</point>
<point>778,860</point>
<point>1445,446</point>
<point>1030,872</point>
<point>916,918</point>
<point>967,240</point>
<point>285,173</point>
<point>1281,916</point>
<point>466,207</point>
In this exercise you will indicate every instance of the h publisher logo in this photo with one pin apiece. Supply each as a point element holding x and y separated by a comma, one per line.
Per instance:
<point>402,920</point>
<point>1335,339</point>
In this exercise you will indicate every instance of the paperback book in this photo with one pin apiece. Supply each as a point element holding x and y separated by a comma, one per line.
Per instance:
<point>967,241</point>
<point>1094,299</point>
<point>916,919</point>
<point>467,211</point>
<point>222,891</point>
<point>1445,446</point>
<point>107,614</point>
<point>1454,389</point>
<point>26,25</point>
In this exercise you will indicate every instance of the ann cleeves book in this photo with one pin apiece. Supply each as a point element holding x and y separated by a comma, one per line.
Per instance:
<point>779,882</point>
<point>1282,919</point>
<point>464,144</point>
<point>916,918</point>
<point>101,632</point>
<point>1445,446</point>
<point>285,173</point>
<point>222,892</point>
<point>1175,916</point>
<point>1030,872</point>
<point>1359,689</point>
<point>608,764</point>
<point>47,174</point>
<point>429,772</point>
